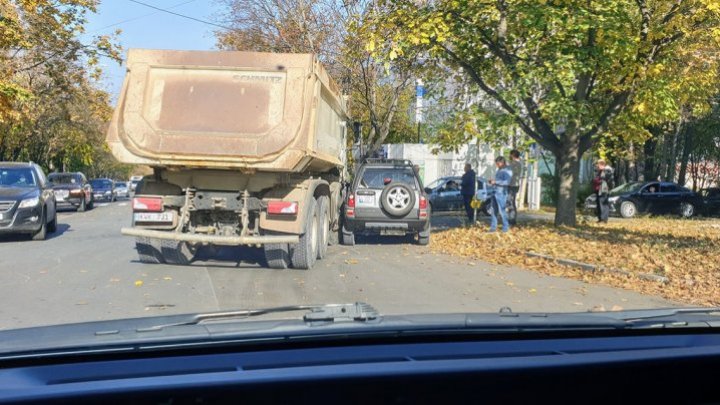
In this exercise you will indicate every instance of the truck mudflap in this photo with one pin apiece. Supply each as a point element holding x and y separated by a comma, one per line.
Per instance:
<point>211,239</point>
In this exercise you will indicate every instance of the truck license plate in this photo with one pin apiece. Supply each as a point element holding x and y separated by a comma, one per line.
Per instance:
<point>366,200</point>
<point>153,216</point>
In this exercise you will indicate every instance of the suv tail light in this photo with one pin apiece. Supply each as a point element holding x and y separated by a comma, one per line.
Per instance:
<point>423,204</point>
<point>350,211</point>
<point>152,204</point>
<point>282,207</point>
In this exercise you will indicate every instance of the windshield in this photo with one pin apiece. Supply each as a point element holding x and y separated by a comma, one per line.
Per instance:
<point>64,179</point>
<point>20,177</point>
<point>101,183</point>
<point>436,183</point>
<point>273,153</point>
<point>626,188</point>
<point>378,177</point>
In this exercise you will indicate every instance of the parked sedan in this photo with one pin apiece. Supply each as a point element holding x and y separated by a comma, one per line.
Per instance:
<point>72,190</point>
<point>121,190</point>
<point>444,194</point>
<point>27,203</point>
<point>103,189</point>
<point>650,197</point>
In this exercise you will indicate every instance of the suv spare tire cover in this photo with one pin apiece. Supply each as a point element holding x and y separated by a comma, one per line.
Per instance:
<point>397,199</point>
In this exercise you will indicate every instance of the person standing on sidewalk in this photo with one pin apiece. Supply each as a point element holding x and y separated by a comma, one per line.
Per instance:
<point>467,189</point>
<point>603,183</point>
<point>516,167</point>
<point>503,178</point>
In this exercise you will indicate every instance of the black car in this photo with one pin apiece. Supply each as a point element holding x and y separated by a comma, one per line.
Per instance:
<point>72,190</point>
<point>386,197</point>
<point>655,197</point>
<point>27,203</point>
<point>711,200</point>
<point>444,194</point>
<point>103,189</point>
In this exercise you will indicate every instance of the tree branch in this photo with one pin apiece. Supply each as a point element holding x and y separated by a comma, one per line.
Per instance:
<point>545,142</point>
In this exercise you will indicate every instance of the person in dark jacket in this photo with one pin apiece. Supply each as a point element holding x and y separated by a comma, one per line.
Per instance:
<point>467,189</point>
<point>603,183</point>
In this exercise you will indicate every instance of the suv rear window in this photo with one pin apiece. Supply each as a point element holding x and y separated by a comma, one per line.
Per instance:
<point>377,177</point>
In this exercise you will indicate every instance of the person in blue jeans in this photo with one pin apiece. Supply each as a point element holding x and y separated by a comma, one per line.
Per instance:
<point>503,178</point>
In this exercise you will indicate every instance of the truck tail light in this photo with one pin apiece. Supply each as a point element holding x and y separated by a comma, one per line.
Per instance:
<point>152,204</point>
<point>282,208</point>
<point>351,201</point>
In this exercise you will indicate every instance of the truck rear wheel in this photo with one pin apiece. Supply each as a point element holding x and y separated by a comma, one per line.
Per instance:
<point>148,250</point>
<point>304,254</point>
<point>277,255</point>
<point>174,252</point>
<point>324,228</point>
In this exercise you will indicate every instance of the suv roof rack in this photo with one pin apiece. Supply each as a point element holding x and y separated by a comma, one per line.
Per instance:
<point>402,162</point>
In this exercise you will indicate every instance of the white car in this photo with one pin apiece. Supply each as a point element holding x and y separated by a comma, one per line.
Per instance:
<point>134,180</point>
<point>121,190</point>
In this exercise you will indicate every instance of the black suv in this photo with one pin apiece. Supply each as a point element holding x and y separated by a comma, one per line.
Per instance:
<point>386,197</point>
<point>27,203</point>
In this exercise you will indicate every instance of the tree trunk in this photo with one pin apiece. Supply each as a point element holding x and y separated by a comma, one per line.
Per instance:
<point>568,171</point>
<point>687,145</point>
<point>649,149</point>
<point>672,156</point>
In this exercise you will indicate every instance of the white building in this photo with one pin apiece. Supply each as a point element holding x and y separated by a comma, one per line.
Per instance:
<point>432,167</point>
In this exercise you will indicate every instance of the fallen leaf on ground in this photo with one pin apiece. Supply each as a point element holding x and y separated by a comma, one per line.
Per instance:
<point>681,250</point>
<point>352,261</point>
<point>138,283</point>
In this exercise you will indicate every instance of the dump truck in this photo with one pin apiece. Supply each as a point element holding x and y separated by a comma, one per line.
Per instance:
<point>246,148</point>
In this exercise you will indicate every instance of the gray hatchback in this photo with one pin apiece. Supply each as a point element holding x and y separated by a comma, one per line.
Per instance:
<point>386,197</point>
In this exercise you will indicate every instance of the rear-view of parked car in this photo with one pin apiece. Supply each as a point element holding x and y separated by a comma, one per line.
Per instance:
<point>103,189</point>
<point>121,190</point>
<point>27,203</point>
<point>653,197</point>
<point>72,190</point>
<point>386,197</point>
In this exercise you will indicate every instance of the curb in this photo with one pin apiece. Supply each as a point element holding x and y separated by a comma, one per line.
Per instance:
<point>593,268</point>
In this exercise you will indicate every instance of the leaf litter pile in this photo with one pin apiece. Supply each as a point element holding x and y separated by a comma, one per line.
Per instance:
<point>686,252</point>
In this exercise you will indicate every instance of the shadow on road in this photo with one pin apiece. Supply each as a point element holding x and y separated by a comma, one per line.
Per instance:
<point>24,237</point>
<point>230,256</point>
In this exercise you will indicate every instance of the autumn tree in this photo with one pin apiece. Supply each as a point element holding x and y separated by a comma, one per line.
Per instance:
<point>563,71</point>
<point>50,109</point>
<point>380,95</point>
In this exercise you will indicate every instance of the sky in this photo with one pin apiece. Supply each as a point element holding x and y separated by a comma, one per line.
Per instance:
<point>144,27</point>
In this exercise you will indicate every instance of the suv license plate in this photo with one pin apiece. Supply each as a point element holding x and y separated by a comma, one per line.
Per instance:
<point>153,216</point>
<point>366,199</point>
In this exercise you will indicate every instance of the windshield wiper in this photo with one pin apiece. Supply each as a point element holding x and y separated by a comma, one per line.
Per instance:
<point>629,319</point>
<point>357,312</point>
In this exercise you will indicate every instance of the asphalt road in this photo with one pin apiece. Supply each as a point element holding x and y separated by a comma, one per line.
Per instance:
<point>87,271</point>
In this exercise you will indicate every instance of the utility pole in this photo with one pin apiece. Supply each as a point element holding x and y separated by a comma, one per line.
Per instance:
<point>419,93</point>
